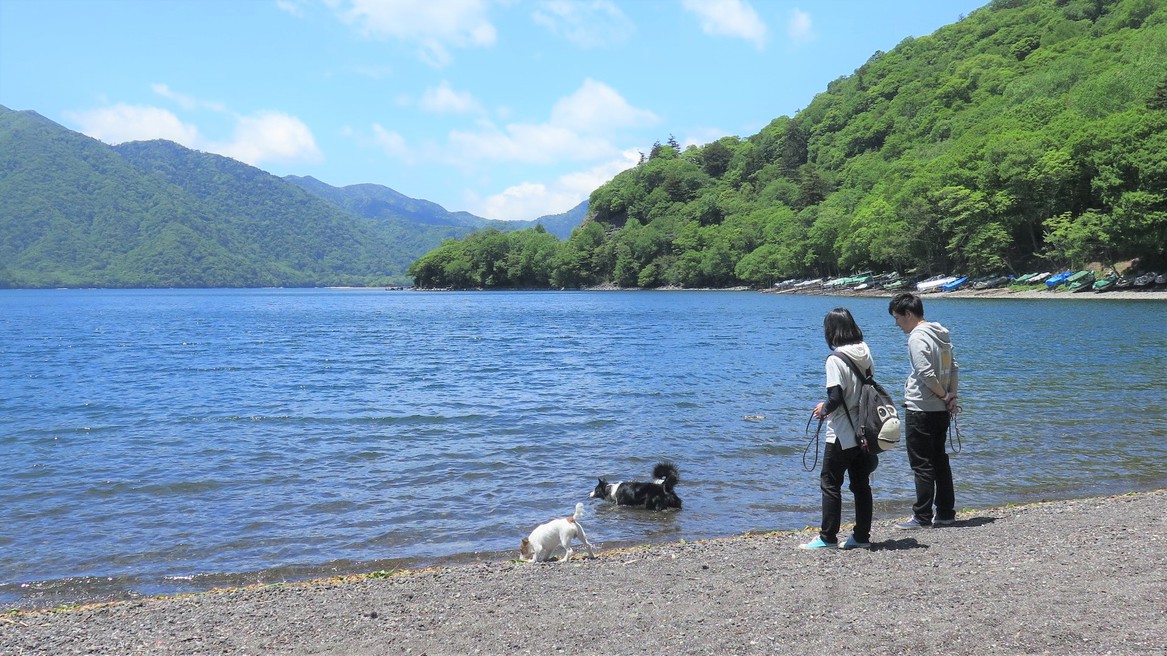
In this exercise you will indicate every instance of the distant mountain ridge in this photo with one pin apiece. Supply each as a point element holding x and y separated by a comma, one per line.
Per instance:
<point>76,212</point>
<point>378,202</point>
<point>374,201</point>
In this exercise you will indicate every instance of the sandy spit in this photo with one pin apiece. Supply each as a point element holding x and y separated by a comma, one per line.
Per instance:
<point>1083,576</point>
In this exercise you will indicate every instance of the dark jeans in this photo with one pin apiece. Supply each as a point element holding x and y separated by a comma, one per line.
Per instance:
<point>926,432</point>
<point>857,465</point>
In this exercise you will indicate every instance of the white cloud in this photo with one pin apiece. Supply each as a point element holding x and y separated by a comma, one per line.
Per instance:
<point>270,137</point>
<point>584,183</point>
<point>293,7</point>
<point>262,137</point>
<point>580,128</point>
<point>524,201</point>
<point>443,99</point>
<point>732,18</point>
<point>529,143</point>
<point>184,101</point>
<point>702,136</point>
<point>121,123</point>
<point>531,200</point>
<point>597,107</point>
<point>392,143</point>
<point>433,25</point>
<point>799,27</point>
<point>586,23</point>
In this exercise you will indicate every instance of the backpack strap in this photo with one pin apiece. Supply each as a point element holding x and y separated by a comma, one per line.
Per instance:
<point>863,377</point>
<point>868,378</point>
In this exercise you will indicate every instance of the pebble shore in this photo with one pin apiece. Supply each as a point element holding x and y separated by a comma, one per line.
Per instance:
<point>1080,576</point>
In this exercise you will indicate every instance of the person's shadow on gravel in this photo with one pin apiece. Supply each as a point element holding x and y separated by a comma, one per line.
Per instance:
<point>897,545</point>
<point>912,543</point>
<point>972,521</point>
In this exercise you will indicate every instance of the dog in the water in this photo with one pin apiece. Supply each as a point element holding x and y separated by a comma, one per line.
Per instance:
<point>656,495</point>
<point>556,535</point>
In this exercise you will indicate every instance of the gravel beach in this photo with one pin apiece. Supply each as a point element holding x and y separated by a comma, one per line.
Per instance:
<point>1082,576</point>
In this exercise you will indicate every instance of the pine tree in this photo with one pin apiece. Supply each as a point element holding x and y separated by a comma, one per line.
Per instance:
<point>1158,100</point>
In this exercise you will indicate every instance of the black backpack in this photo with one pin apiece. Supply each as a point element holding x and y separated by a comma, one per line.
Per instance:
<point>878,428</point>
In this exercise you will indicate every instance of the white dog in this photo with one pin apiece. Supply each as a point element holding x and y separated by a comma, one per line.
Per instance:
<point>555,536</point>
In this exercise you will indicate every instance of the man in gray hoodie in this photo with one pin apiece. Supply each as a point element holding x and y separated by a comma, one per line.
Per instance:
<point>930,400</point>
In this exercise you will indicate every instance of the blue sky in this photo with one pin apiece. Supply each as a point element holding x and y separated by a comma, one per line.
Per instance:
<point>509,109</point>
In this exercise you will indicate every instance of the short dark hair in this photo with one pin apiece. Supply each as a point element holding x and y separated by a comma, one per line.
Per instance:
<point>840,329</point>
<point>906,303</point>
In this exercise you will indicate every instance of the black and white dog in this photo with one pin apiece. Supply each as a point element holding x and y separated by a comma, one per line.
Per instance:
<point>657,495</point>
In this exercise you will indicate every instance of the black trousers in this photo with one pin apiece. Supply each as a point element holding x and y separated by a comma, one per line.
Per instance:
<point>857,466</point>
<point>926,433</point>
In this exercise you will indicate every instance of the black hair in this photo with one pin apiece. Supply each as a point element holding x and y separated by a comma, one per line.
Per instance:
<point>840,329</point>
<point>906,303</point>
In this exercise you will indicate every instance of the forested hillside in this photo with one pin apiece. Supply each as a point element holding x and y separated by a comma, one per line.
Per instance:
<point>75,212</point>
<point>1029,131</point>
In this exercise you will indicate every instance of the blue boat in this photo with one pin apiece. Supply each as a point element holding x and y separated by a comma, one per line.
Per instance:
<point>934,283</point>
<point>954,285</point>
<point>1057,279</point>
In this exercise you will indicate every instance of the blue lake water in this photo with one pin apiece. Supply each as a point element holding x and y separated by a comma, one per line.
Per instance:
<point>174,440</point>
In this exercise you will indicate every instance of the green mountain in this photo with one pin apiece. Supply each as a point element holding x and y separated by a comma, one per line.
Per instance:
<point>560,225</point>
<point>1029,133</point>
<point>378,202</point>
<point>75,212</point>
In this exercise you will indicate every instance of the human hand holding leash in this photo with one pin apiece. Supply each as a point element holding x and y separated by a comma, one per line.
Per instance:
<point>950,403</point>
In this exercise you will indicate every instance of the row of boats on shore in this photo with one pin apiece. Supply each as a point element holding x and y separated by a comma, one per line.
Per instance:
<point>1086,280</point>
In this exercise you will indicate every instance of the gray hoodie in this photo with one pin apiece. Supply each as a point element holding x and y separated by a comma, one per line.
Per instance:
<point>838,373</point>
<point>933,365</point>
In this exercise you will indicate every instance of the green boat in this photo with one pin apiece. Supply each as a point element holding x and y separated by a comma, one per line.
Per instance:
<point>1080,282</point>
<point>1106,284</point>
<point>1024,278</point>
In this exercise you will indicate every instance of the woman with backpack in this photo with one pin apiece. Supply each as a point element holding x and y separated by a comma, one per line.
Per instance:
<point>843,454</point>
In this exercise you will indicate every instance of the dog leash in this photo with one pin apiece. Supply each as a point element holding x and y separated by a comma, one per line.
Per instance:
<point>812,440</point>
<point>954,428</point>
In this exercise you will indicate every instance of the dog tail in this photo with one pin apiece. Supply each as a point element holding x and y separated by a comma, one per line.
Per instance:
<point>667,473</point>
<point>579,507</point>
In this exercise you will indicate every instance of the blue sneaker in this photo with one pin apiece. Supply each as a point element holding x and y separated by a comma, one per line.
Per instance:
<point>913,524</point>
<point>818,543</point>
<point>852,543</point>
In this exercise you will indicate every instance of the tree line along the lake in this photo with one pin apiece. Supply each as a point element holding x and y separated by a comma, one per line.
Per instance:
<point>1029,130</point>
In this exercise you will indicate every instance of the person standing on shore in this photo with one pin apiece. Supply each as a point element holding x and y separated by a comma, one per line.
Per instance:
<point>930,401</point>
<point>843,455</point>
